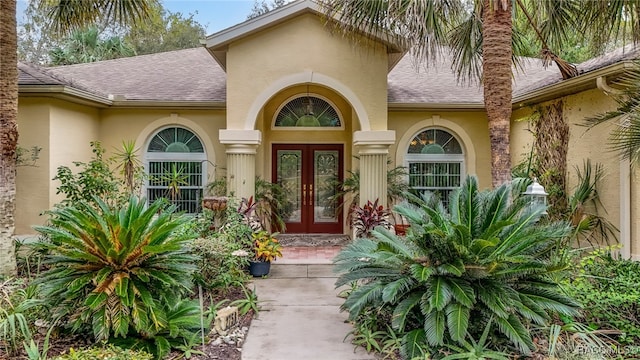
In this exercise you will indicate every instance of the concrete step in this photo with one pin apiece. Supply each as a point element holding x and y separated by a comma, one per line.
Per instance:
<point>285,271</point>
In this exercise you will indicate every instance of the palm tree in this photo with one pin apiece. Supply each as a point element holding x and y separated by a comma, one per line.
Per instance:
<point>480,37</point>
<point>65,16</point>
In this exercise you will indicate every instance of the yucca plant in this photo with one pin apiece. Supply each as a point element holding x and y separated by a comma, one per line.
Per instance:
<point>115,270</point>
<point>485,258</point>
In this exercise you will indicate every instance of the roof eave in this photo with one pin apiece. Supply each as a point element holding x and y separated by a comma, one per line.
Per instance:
<point>173,104</point>
<point>470,106</point>
<point>65,93</point>
<point>571,86</point>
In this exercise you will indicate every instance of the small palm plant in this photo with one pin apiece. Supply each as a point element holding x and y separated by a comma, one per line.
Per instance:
<point>485,258</point>
<point>115,270</point>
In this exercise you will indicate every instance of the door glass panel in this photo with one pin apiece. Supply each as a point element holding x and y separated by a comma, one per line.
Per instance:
<point>289,177</point>
<point>325,174</point>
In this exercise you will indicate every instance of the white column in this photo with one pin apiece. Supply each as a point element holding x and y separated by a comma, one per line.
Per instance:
<point>373,150</point>
<point>241,161</point>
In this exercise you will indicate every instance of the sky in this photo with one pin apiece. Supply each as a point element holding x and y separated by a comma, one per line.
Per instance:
<point>214,15</point>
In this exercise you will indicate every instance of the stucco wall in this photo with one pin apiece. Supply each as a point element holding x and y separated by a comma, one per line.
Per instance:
<point>72,127</point>
<point>256,63</point>
<point>470,128</point>
<point>584,143</point>
<point>32,182</point>
<point>140,125</point>
<point>593,144</point>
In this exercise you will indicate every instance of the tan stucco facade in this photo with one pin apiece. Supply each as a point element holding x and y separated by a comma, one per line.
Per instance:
<point>298,56</point>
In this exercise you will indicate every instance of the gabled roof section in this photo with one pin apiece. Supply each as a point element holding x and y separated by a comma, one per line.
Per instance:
<point>218,43</point>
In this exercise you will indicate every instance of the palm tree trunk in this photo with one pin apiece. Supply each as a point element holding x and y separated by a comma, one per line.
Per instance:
<point>496,66</point>
<point>8,132</point>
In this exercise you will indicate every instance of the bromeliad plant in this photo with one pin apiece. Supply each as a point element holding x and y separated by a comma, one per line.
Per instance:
<point>485,258</point>
<point>114,271</point>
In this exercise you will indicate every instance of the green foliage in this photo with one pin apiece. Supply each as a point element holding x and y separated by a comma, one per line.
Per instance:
<point>130,167</point>
<point>116,272</point>
<point>89,45</point>
<point>16,302</point>
<point>476,350</point>
<point>222,253</point>
<point>250,301</point>
<point>273,206</point>
<point>94,179</point>
<point>485,258</point>
<point>608,290</point>
<point>165,31</point>
<point>584,203</point>
<point>109,352</point>
<point>182,325</point>
<point>350,187</point>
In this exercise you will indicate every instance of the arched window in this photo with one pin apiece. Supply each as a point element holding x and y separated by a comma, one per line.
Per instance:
<point>436,162</point>
<point>307,111</point>
<point>176,165</point>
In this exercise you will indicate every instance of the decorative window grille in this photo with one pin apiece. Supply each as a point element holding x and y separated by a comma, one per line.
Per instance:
<point>307,111</point>
<point>176,166</point>
<point>435,162</point>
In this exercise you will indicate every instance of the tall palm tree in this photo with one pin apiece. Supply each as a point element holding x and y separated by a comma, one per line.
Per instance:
<point>479,36</point>
<point>65,16</point>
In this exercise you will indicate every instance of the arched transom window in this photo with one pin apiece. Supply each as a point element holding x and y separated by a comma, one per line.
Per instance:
<point>176,165</point>
<point>436,162</point>
<point>307,111</point>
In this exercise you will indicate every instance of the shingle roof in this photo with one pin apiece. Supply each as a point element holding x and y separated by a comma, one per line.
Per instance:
<point>193,75</point>
<point>182,75</point>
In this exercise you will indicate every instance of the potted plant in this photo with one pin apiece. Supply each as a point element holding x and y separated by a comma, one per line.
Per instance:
<point>266,249</point>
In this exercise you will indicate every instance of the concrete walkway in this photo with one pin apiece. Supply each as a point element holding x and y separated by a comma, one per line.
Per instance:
<point>300,318</point>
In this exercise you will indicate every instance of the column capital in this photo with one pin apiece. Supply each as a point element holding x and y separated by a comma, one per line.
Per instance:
<point>374,142</point>
<point>235,148</point>
<point>240,137</point>
<point>380,137</point>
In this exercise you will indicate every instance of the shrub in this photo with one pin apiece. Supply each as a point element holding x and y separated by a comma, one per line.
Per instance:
<point>109,352</point>
<point>115,271</point>
<point>219,265</point>
<point>485,258</point>
<point>608,290</point>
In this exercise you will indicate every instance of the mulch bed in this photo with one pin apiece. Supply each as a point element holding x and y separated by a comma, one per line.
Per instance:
<point>61,343</point>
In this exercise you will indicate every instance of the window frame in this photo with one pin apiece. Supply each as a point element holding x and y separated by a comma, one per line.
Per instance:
<point>176,157</point>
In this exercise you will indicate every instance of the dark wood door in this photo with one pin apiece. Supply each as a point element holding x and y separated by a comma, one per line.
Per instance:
<point>309,173</point>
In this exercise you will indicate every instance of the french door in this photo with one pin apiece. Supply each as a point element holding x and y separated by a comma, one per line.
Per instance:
<point>309,174</point>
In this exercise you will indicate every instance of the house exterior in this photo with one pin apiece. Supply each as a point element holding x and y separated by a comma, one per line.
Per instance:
<point>285,98</point>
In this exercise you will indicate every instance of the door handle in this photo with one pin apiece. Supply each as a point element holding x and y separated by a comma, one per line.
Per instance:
<point>304,194</point>
<point>311,194</point>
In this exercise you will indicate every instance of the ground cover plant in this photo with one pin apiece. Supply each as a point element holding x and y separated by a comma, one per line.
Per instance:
<point>485,260</point>
<point>607,288</point>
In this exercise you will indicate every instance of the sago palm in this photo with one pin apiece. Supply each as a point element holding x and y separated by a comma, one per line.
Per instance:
<point>485,257</point>
<point>115,269</point>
